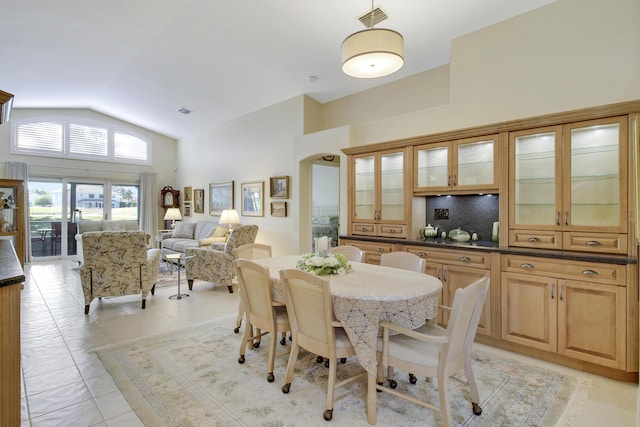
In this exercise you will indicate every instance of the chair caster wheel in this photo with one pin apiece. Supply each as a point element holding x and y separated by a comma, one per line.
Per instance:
<point>343,360</point>
<point>326,363</point>
<point>477,410</point>
<point>256,344</point>
<point>412,379</point>
<point>270,377</point>
<point>328,414</point>
<point>393,384</point>
<point>285,388</point>
<point>236,330</point>
<point>241,360</point>
<point>320,359</point>
<point>283,341</point>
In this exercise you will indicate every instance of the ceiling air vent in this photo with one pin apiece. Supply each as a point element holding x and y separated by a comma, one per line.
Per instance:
<point>372,17</point>
<point>184,111</point>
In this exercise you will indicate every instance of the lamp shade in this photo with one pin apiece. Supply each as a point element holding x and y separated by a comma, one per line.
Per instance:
<point>374,52</point>
<point>172,214</point>
<point>229,217</point>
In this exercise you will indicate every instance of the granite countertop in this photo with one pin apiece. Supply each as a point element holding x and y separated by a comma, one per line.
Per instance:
<point>11,271</point>
<point>489,246</point>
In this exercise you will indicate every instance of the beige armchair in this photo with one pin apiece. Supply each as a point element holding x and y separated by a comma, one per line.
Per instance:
<point>117,263</point>
<point>214,265</point>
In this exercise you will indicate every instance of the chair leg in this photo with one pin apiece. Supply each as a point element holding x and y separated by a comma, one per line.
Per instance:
<point>190,283</point>
<point>272,356</point>
<point>288,377</point>
<point>239,318</point>
<point>328,412</point>
<point>443,391</point>
<point>144,303</point>
<point>230,289</point>
<point>86,309</point>
<point>153,289</point>
<point>473,388</point>
<point>246,337</point>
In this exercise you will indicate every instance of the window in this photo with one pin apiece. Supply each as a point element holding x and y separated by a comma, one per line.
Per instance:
<point>78,139</point>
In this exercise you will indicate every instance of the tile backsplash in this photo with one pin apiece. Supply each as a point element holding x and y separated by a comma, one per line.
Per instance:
<point>473,213</point>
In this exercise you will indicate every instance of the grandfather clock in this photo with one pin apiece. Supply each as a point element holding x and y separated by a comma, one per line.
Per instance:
<point>170,198</point>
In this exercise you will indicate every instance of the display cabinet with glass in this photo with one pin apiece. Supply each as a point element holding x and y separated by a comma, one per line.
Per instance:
<point>12,214</point>
<point>380,200</point>
<point>464,165</point>
<point>568,186</point>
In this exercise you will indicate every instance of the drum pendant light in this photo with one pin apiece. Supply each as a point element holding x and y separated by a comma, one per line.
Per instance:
<point>374,52</point>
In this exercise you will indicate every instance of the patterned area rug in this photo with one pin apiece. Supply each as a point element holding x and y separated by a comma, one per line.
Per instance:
<point>191,377</point>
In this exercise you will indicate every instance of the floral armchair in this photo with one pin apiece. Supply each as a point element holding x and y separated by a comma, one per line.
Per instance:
<point>118,263</point>
<point>213,265</point>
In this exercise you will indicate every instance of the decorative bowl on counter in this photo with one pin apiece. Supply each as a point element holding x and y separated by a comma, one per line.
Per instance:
<point>459,235</point>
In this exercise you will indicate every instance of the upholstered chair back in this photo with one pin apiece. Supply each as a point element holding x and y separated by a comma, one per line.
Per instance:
<point>240,235</point>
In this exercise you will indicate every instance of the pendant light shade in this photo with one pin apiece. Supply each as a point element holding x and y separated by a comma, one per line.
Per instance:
<point>374,52</point>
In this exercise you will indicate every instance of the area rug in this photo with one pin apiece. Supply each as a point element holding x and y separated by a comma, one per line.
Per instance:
<point>191,377</point>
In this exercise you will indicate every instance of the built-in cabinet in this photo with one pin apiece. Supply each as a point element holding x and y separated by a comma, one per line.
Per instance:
<point>576,309</point>
<point>12,214</point>
<point>372,250</point>
<point>457,269</point>
<point>380,198</point>
<point>464,165</point>
<point>568,186</point>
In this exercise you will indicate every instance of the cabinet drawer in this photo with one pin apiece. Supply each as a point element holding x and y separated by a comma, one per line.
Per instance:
<point>397,231</point>
<point>611,274</point>
<point>452,257</point>
<point>535,239</point>
<point>595,242</point>
<point>372,250</point>
<point>363,229</point>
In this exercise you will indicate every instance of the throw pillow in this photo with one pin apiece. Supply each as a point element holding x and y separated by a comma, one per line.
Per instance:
<point>113,226</point>
<point>219,231</point>
<point>184,230</point>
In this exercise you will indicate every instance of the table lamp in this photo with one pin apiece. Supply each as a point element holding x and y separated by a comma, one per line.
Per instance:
<point>229,217</point>
<point>172,214</point>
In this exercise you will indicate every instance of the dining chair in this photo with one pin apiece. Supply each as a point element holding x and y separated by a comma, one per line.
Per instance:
<point>433,351</point>
<point>352,253</point>
<point>403,260</point>
<point>310,308</point>
<point>249,251</point>
<point>260,310</point>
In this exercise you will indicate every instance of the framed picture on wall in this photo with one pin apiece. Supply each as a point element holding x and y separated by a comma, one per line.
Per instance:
<point>198,200</point>
<point>252,198</point>
<point>187,209</point>
<point>279,187</point>
<point>187,194</point>
<point>220,197</point>
<point>278,208</point>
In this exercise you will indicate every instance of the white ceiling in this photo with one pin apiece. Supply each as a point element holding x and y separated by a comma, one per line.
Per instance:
<point>142,60</point>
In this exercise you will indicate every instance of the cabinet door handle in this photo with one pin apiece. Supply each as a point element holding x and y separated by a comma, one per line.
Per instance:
<point>363,229</point>
<point>439,273</point>
<point>589,272</point>
<point>444,275</point>
<point>455,179</point>
<point>553,288</point>
<point>558,218</point>
<point>379,249</point>
<point>391,230</point>
<point>465,259</point>
<point>422,254</point>
<point>533,239</point>
<point>526,265</point>
<point>449,180</point>
<point>593,243</point>
<point>561,291</point>
<point>566,218</point>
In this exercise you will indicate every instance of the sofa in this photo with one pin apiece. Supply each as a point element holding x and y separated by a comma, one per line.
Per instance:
<point>192,235</point>
<point>104,225</point>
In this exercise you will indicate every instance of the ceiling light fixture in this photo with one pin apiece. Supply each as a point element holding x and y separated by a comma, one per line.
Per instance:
<point>374,52</point>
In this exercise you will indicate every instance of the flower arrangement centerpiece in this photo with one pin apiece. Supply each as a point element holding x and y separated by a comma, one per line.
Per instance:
<point>324,265</point>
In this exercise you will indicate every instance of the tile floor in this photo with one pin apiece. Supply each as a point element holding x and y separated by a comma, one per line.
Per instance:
<point>64,383</point>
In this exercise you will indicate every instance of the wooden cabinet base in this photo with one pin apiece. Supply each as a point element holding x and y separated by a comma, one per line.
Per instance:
<point>615,374</point>
<point>10,355</point>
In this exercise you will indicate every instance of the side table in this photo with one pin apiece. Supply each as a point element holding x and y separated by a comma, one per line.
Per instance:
<point>173,258</point>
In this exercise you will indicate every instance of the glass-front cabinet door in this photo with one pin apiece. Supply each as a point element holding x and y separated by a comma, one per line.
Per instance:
<point>535,176</point>
<point>595,191</point>
<point>392,204</point>
<point>463,165</point>
<point>364,208</point>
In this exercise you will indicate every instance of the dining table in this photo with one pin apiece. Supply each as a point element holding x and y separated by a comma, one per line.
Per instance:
<point>364,297</point>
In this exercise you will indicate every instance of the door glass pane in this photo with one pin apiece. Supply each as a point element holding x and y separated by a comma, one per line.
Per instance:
<point>595,176</point>
<point>87,201</point>
<point>475,163</point>
<point>433,167</point>
<point>535,180</point>
<point>364,188</point>
<point>45,218</point>
<point>124,202</point>
<point>392,186</point>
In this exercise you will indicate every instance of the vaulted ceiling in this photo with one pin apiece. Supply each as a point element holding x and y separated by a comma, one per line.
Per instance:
<point>143,60</point>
